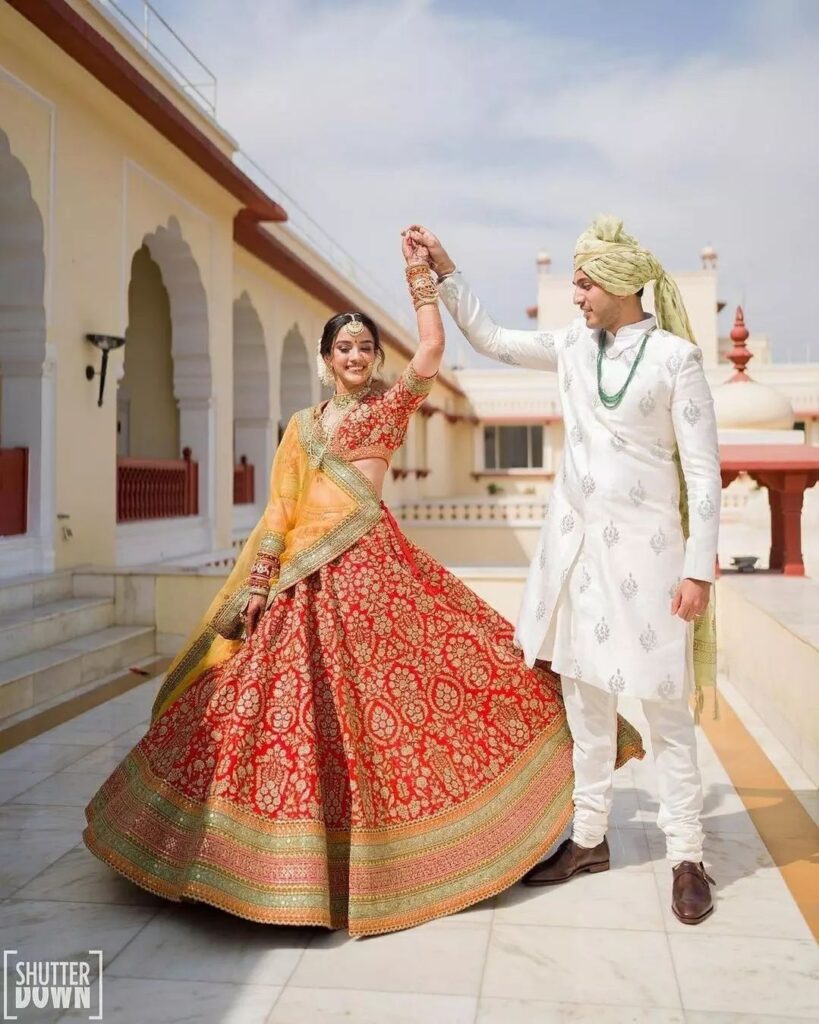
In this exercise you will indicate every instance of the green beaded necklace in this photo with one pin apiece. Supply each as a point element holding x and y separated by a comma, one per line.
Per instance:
<point>612,401</point>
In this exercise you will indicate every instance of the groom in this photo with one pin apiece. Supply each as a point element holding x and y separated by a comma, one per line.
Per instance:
<point>619,576</point>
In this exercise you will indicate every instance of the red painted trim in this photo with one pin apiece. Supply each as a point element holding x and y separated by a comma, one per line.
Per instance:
<point>68,30</point>
<point>749,457</point>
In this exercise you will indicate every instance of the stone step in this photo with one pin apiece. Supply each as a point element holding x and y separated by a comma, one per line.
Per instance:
<point>31,591</point>
<point>24,630</point>
<point>38,677</point>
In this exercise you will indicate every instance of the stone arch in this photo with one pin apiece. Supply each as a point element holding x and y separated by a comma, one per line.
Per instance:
<point>26,362</point>
<point>192,374</point>
<point>296,377</point>
<point>252,416</point>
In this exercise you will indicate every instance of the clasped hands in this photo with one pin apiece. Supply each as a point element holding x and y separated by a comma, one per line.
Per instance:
<point>418,242</point>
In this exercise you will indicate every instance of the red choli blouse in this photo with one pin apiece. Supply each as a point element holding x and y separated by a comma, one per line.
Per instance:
<point>377,426</point>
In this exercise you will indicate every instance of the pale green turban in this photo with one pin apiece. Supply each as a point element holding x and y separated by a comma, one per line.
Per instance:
<point>615,261</point>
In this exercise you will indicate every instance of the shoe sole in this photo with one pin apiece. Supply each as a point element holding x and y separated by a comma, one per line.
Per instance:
<point>692,920</point>
<point>592,869</point>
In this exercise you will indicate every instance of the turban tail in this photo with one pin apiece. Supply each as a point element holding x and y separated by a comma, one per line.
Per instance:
<point>615,261</point>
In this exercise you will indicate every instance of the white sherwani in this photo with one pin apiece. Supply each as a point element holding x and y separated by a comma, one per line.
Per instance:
<point>597,601</point>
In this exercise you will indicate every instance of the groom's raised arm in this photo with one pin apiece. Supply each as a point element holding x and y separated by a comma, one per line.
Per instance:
<point>533,349</point>
<point>536,350</point>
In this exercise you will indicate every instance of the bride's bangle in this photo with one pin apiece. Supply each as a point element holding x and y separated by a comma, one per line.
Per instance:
<point>421,285</point>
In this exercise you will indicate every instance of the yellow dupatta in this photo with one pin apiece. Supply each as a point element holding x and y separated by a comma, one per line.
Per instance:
<point>312,516</point>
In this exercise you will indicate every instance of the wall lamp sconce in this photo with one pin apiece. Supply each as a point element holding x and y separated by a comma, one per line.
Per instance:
<point>105,343</point>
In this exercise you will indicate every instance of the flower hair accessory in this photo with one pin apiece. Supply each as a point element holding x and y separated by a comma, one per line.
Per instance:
<point>325,374</point>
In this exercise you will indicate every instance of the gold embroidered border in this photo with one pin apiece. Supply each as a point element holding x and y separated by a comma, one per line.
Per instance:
<point>415,383</point>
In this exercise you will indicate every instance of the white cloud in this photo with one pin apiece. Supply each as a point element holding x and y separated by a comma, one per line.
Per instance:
<point>506,141</point>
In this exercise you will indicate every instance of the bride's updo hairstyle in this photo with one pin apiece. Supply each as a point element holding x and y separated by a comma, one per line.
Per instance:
<point>334,325</point>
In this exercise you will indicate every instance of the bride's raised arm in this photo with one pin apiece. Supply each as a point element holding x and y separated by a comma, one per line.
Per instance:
<point>427,360</point>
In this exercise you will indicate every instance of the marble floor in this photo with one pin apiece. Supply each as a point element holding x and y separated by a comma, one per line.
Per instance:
<point>603,949</point>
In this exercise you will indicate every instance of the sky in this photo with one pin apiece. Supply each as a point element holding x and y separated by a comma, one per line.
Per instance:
<point>505,127</point>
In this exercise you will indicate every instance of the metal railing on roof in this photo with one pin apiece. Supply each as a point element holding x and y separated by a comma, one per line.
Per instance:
<point>147,26</point>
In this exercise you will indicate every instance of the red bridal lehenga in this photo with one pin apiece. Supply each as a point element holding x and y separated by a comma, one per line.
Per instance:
<point>377,754</point>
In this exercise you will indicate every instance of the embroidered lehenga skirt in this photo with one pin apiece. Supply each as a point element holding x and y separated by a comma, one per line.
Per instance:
<point>377,754</point>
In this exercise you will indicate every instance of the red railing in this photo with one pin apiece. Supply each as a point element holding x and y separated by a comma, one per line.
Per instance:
<point>13,491</point>
<point>244,490</point>
<point>157,488</point>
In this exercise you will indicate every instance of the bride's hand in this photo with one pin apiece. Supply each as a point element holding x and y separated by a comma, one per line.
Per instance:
<point>413,251</point>
<point>254,609</point>
<point>435,252</point>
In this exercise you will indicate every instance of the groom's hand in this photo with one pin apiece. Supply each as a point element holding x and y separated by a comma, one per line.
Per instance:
<point>691,599</point>
<point>438,256</point>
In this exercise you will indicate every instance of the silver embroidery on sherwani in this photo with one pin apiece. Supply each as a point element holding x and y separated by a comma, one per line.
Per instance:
<point>706,508</point>
<point>611,535</point>
<point>649,639</point>
<point>541,558</point>
<point>571,336</point>
<point>666,688</point>
<point>617,441</point>
<point>577,671</point>
<point>567,523</point>
<point>629,588</point>
<point>585,580</point>
<point>692,413</point>
<point>506,357</point>
<point>546,340</point>
<point>616,682</point>
<point>540,611</point>
<point>637,494</point>
<point>647,404</point>
<point>568,380</point>
<point>602,631</point>
<point>673,363</point>
<point>658,541</point>
<point>576,434</point>
<point>587,484</point>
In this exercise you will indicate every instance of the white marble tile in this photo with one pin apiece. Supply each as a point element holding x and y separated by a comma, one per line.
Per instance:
<point>23,855</point>
<point>705,1017</point>
<point>629,850</point>
<point>80,877</point>
<point>520,1011</point>
<point>609,899</point>
<point>62,789</point>
<point>478,913</point>
<point>625,810</point>
<point>747,975</point>
<point>43,757</point>
<point>198,942</point>
<point>18,820</point>
<point>130,737</point>
<point>347,1006</point>
<point>750,895</point>
<point>577,965</point>
<point>134,1001</point>
<point>100,762</point>
<point>42,929</point>
<point>12,783</point>
<point>446,961</point>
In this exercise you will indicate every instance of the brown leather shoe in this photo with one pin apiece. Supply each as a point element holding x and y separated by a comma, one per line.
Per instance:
<point>691,897</point>
<point>568,860</point>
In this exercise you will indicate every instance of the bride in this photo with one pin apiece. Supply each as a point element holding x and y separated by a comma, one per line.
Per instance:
<point>350,737</point>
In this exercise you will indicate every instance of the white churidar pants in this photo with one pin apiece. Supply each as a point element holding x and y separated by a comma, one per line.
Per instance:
<point>592,719</point>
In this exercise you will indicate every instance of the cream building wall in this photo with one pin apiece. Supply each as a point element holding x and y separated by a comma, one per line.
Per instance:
<point>93,188</point>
